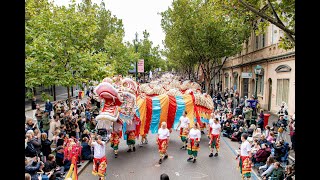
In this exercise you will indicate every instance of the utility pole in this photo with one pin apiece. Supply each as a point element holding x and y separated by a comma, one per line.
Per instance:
<point>136,47</point>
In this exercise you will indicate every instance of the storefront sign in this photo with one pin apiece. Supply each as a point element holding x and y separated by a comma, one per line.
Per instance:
<point>246,75</point>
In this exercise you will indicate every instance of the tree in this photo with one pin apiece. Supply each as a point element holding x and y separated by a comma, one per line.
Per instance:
<point>201,33</point>
<point>151,55</point>
<point>280,13</point>
<point>60,44</point>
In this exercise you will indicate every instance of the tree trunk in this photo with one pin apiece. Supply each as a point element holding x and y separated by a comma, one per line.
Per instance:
<point>54,92</point>
<point>197,77</point>
<point>209,87</point>
<point>34,91</point>
<point>69,99</point>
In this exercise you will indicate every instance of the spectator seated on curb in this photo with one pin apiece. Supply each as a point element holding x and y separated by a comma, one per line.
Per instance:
<point>234,124</point>
<point>236,136</point>
<point>271,138</point>
<point>86,153</point>
<point>255,146</point>
<point>277,172</point>
<point>227,131</point>
<point>263,140</point>
<point>278,150</point>
<point>289,172</point>
<point>59,159</point>
<point>257,134</point>
<point>267,169</point>
<point>241,121</point>
<point>251,129</point>
<point>267,131</point>
<point>261,155</point>
<point>51,165</point>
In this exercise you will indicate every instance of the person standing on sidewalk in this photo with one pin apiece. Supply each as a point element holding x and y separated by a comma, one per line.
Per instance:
<point>46,122</point>
<point>292,134</point>
<point>54,124</point>
<point>248,115</point>
<point>34,106</point>
<point>39,113</point>
<point>184,123</point>
<point>48,106</point>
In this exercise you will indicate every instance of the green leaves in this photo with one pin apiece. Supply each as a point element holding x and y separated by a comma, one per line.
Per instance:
<point>66,45</point>
<point>280,13</point>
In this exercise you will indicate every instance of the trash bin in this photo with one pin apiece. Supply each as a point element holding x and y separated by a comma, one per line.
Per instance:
<point>266,120</point>
<point>80,94</point>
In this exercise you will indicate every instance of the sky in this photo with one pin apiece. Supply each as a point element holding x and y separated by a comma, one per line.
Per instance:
<point>137,16</point>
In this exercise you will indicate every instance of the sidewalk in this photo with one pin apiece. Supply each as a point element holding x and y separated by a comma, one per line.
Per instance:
<point>274,118</point>
<point>62,96</point>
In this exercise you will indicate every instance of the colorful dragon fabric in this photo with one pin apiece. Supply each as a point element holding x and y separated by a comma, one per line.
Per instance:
<point>118,97</point>
<point>166,99</point>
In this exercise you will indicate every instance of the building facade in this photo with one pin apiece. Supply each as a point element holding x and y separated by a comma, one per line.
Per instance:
<point>276,82</point>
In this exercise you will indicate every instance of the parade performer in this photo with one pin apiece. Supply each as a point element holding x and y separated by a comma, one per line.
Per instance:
<point>184,122</point>
<point>162,141</point>
<point>115,137</point>
<point>215,137</point>
<point>131,135</point>
<point>99,157</point>
<point>202,127</point>
<point>245,156</point>
<point>194,142</point>
<point>144,140</point>
<point>210,125</point>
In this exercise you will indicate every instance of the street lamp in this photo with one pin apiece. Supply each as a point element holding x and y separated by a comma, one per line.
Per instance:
<point>257,71</point>
<point>135,42</point>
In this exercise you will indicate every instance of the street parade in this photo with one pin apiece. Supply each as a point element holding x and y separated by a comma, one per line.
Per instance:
<point>159,89</point>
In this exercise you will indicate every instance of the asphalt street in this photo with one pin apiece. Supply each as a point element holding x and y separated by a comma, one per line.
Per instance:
<point>143,164</point>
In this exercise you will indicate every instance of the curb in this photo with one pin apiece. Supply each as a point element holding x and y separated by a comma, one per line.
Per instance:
<point>84,165</point>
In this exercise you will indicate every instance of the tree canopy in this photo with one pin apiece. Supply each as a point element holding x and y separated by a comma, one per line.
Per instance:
<point>70,45</point>
<point>280,13</point>
<point>199,32</point>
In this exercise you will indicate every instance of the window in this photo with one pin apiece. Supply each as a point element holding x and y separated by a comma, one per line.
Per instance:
<point>227,82</point>
<point>257,42</point>
<point>282,91</point>
<point>235,84</point>
<point>260,84</point>
<point>263,37</point>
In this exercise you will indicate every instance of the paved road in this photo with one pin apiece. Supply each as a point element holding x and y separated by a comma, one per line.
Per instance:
<point>142,164</point>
